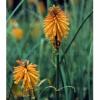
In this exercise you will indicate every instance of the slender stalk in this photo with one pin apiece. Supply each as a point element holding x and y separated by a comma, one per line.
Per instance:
<point>58,68</point>
<point>57,75</point>
<point>30,95</point>
<point>15,10</point>
<point>36,96</point>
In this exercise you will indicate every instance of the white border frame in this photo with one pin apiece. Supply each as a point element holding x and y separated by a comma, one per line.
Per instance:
<point>3,50</point>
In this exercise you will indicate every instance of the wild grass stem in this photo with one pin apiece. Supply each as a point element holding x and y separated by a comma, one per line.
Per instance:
<point>11,15</point>
<point>57,75</point>
<point>57,68</point>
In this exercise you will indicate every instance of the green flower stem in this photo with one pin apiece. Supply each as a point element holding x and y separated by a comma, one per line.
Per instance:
<point>30,95</point>
<point>57,75</point>
<point>57,67</point>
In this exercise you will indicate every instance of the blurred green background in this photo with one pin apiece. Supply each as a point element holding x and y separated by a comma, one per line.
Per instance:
<point>26,40</point>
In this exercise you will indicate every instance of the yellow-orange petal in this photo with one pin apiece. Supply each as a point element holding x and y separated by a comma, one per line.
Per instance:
<point>56,24</point>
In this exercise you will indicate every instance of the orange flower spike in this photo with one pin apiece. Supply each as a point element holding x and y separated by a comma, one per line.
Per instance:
<point>56,24</point>
<point>27,74</point>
